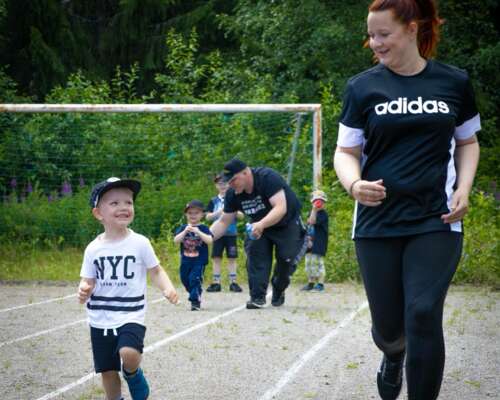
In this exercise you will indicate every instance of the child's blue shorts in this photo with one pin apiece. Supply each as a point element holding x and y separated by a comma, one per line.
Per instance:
<point>106,344</point>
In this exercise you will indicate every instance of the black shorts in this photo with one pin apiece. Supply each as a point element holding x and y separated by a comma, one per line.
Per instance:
<point>105,348</point>
<point>225,242</point>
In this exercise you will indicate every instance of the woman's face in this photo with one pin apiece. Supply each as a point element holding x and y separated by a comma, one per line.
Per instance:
<point>392,42</point>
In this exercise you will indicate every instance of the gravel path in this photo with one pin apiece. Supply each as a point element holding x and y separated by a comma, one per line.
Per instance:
<point>317,346</point>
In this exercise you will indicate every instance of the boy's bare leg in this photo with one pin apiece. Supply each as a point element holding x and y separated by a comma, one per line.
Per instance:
<point>216,267</point>
<point>112,385</point>
<point>231,267</point>
<point>131,358</point>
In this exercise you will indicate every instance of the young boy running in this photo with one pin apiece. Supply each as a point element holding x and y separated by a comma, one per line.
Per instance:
<point>113,285</point>
<point>193,238</point>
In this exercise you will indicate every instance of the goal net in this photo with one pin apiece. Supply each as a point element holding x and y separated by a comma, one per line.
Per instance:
<point>53,153</point>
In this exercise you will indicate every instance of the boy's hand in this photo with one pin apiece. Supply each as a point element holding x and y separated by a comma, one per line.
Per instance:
<point>194,229</point>
<point>84,292</point>
<point>171,295</point>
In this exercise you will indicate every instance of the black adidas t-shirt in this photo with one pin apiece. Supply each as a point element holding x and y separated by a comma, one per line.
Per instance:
<point>406,126</point>
<point>255,205</point>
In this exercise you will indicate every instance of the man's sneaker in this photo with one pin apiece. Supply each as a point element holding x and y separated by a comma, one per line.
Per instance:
<point>254,304</point>
<point>137,385</point>
<point>319,287</point>
<point>390,378</point>
<point>278,299</point>
<point>214,287</point>
<point>195,306</point>
<point>234,287</point>
<point>308,287</point>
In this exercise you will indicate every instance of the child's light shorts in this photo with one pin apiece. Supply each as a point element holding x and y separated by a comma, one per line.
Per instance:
<point>315,265</point>
<point>106,344</point>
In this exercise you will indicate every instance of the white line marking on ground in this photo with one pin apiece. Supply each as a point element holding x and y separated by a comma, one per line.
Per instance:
<point>295,368</point>
<point>56,328</point>
<point>33,335</point>
<point>147,349</point>
<point>36,304</point>
<point>64,389</point>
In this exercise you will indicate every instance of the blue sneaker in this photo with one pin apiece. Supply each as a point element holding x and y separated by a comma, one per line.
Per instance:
<point>137,385</point>
<point>319,287</point>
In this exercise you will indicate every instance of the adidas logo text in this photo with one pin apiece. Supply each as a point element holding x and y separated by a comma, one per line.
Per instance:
<point>403,106</point>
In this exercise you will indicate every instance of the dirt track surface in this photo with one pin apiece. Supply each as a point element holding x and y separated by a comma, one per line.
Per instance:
<point>317,346</point>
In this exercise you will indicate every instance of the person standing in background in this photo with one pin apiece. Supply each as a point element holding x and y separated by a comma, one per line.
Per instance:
<point>228,242</point>
<point>318,242</point>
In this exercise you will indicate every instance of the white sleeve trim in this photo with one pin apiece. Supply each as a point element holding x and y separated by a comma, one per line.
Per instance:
<point>468,128</point>
<point>349,137</point>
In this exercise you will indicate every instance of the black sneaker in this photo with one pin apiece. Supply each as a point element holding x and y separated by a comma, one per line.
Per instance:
<point>234,287</point>
<point>308,287</point>
<point>278,299</point>
<point>214,287</point>
<point>254,304</point>
<point>390,378</point>
<point>195,306</point>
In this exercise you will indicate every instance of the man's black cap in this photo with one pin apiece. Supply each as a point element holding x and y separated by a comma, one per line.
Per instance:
<point>233,167</point>
<point>113,183</point>
<point>194,204</point>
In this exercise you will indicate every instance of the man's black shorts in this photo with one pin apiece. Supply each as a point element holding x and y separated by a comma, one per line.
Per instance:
<point>225,242</point>
<point>106,344</point>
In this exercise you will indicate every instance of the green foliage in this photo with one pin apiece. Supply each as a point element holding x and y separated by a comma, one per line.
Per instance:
<point>217,51</point>
<point>470,41</point>
<point>31,261</point>
<point>36,228</point>
<point>183,74</point>
<point>300,43</point>
<point>47,40</point>
<point>480,259</point>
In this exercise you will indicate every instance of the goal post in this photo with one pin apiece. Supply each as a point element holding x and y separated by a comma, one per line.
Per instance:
<point>314,109</point>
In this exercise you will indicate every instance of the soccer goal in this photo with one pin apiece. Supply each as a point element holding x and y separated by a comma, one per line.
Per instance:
<point>58,150</point>
<point>68,144</point>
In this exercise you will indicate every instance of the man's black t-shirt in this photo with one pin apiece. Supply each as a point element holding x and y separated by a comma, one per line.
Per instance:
<point>407,126</point>
<point>320,238</point>
<point>255,205</point>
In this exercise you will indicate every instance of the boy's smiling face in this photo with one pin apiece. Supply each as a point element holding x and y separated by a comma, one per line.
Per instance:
<point>116,208</point>
<point>194,215</point>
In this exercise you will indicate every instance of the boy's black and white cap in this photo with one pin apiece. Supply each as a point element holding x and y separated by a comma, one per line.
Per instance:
<point>113,183</point>
<point>194,204</point>
<point>232,167</point>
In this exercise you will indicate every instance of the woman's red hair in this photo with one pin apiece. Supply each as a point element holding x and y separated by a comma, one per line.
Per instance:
<point>424,12</point>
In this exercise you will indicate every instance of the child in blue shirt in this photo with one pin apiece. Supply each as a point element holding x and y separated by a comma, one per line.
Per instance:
<point>194,239</point>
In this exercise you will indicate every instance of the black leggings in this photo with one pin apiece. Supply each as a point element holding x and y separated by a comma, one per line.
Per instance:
<point>406,280</point>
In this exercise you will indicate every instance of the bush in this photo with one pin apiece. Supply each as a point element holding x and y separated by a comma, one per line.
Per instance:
<point>480,258</point>
<point>66,223</point>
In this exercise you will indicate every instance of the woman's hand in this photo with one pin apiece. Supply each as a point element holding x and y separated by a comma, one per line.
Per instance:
<point>458,208</point>
<point>369,193</point>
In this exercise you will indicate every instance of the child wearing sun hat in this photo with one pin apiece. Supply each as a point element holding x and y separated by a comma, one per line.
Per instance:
<point>317,242</point>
